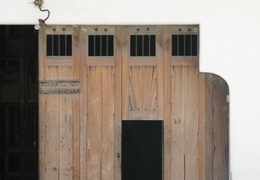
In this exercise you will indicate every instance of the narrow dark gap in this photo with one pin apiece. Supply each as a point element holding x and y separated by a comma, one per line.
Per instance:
<point>181,45</point>
<point>110,45</point>
<point>142,150</point>
<point>19,102</point>
<point>132,45</point>
<point>139,45</point>
<point>194,45</point>
<point>91,45</point>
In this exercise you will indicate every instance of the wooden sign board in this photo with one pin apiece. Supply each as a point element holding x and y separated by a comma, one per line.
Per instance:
<point>60,87</point>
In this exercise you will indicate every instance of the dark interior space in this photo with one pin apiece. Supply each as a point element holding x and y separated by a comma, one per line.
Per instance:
<point>18,103</point>
<point>142,150</point>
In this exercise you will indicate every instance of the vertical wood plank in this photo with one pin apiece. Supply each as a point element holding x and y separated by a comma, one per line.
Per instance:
<point>52,128</point>
<point>83,108</point>
<point>202,126</point>
<point>117,101</point>
<point>160,69</point>
<point>107,126</point>
<point>42,51</point>
<point>178,122</point>
<point>191,124</point>
<point>75,137</point>
<point>76,54</point>
<point>52,137</point>
<point>167,107</point>
<point>209,126</point>
<point>94,124</point>
<point>220,129</point>
<point>125,77</point>
<point>65,134</point>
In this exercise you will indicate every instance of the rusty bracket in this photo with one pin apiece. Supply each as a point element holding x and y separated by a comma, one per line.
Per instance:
<point>39,4</point>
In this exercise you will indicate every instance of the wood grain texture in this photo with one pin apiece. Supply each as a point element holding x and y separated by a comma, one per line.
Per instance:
<point>94,124</point>
<point>118,104</point>
<point>142,88</point>
<point>167,158</point>
<point>42,50</point>
<point>209,127</point>
<point>217,144</point>
<point>100,128</point>
<point>59,122</point>
<point>177,122</point>
<point>52,148</point>
<point>80,134</point>
<point>191,124</point>
<point>65,130</point>
<point>107,129</point>
<point>202,126</point>
<point>220,130</point>
<point>75,137</point>
<point>125,73</point>
<point>83,110</point>
<point>160,69</point>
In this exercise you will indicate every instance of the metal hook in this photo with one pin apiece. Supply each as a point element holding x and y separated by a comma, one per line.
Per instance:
<point>39,4</point>
<point>42,21</point>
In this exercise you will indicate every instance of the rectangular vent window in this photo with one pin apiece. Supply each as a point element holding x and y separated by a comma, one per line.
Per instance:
<point>59,45</point>
<point>142,45</point>
<point>100,45</point>
<point>184,45</point>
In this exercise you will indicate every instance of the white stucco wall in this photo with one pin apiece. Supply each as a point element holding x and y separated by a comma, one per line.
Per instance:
<point>229,47</point>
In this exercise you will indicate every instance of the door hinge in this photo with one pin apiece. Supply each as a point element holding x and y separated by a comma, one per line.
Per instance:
<point>228,98</point>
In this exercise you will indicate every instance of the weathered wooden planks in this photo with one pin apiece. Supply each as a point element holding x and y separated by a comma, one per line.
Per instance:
<point>217,144</point>
<point>184,122</point>
<point>52,138</point>
<point>59,121</point>
<point>142,88</point>
<point>100,126</point>
<point>177,122</point>
<point>142,78</point>
<point>94,122</point>
<point>87,126</point>
<point>191,124</point>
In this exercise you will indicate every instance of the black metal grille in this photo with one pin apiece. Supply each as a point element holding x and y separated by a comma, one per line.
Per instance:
<point>59,45</point>
<point>184,45</point>
<point>100,45</point>
<point>142,45</point>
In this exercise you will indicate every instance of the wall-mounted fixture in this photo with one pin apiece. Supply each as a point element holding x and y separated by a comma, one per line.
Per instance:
<point>39,3</point>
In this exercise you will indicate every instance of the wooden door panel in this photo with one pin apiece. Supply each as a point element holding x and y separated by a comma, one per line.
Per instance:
<point>59,109</point>
<point>142,88</point>
<point>184,122</point>
<point>100,122</point>
<point>91,96</point>
<point>142,79</point>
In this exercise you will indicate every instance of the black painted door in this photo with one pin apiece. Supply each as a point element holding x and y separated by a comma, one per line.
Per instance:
<point>18,103</point>
<point>142,150</point>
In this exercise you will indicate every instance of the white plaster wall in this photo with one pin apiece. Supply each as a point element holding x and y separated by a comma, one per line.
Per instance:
<point>230,47</point>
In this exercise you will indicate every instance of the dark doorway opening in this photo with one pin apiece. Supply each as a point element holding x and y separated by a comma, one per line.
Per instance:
<point>142,150</point>
<point>18,103</point>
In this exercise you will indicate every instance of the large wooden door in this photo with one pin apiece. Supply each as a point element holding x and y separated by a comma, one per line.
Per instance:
<point>94,77</point>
